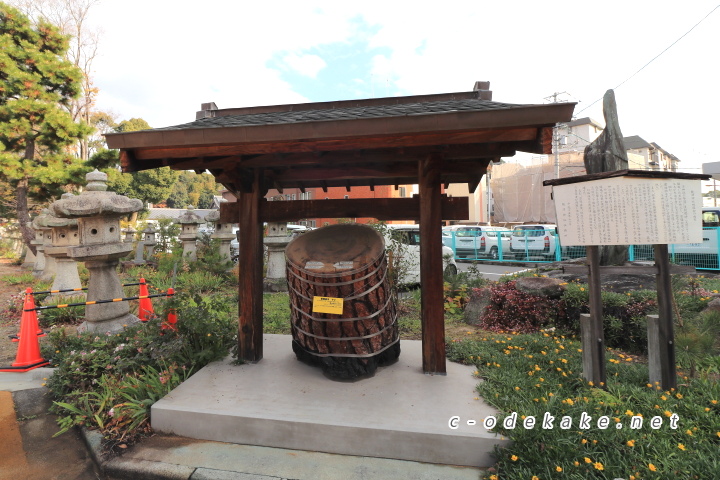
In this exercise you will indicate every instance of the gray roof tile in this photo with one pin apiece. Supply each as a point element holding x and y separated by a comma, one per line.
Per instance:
<point>348,113</point>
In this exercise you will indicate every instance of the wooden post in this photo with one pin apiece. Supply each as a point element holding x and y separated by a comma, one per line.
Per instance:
<point>666,336</point>
<point>654,350</point>
<point>250,333</point>
<point>431,266</point>
<point>593,339</point>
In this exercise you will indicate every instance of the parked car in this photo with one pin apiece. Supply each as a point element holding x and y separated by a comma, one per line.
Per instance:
<point>407,239</point>
<point>476,241</point>
<point>538,240</point>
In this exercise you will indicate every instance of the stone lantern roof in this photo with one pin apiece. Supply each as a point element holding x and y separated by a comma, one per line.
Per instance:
<point>190,217</point>
<point>213,216</point>
<point>39,222</point>
<point>95,201</point>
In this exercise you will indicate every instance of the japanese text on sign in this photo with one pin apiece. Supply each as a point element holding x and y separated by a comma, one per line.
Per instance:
<point>629,210</point>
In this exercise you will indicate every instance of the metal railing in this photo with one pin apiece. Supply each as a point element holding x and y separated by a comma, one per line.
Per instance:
<point>545,246</point>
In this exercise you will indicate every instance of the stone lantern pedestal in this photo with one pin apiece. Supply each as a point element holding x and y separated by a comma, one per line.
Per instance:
<point>189,222</point>
<point>223,233</point>
<point>64,232</point>
<point>39,264</point>
<point>98,214</point>
<point>28,260</point>
<point>276,241</point>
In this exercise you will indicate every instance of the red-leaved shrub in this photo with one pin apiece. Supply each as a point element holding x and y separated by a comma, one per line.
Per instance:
<point>513,310</point>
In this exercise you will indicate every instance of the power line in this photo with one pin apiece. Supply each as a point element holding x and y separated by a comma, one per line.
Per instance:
<point>655,57</point>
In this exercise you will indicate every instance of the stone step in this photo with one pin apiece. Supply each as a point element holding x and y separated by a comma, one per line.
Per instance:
<point>399,413</point>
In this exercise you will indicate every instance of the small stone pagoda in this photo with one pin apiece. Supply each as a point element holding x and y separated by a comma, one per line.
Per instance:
<point>189,222</point>
<point>223,232</point>
<point>98,213</point>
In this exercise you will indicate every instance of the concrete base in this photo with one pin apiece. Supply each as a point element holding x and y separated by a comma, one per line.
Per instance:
<point>400,413</point>
<point>114,325</point>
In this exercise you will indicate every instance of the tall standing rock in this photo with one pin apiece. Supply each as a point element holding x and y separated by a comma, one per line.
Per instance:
<point>607,154</point>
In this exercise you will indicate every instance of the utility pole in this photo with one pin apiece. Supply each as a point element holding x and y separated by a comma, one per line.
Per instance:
<point>556,135</point>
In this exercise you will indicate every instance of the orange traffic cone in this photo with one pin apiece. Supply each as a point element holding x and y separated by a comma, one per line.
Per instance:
<point>29,296</point>
<point>145,311</point>
<point>28,356</point>
<point>171,322</point>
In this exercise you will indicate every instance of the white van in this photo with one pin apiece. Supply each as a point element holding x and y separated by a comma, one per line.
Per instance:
<point>538,240</point>
<point>475,241</point>
<point>407,240</point>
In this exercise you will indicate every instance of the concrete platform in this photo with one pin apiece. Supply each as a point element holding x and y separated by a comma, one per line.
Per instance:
<point>400,413</point>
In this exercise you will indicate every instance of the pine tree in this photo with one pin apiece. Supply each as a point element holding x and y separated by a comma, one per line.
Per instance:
<point>37,84</point>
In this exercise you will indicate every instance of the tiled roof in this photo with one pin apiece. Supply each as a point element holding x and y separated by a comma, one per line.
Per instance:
<point>174,213</point>
<point>348,113</point>
<point>634,142</point>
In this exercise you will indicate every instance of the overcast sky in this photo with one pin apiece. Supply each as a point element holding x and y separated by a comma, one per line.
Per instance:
<point>160,59</point>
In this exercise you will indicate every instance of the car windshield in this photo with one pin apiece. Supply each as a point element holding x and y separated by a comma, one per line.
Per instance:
<point>532,231</point>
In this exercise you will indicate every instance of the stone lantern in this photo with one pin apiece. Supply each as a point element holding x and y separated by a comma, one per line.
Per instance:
<point>44,235</point>
<point>129,234</point>
<point>39,265</point>
<point>98,213</point>
<point>64,232</point>
<point>276,240</point>
<point>223,232</point>
<point>149,240</point>
<point>189,222</point>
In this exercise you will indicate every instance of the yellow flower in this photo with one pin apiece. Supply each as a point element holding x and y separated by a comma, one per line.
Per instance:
<point>587,460</point>
<point>550,394</point>
<point>514,458</point>
<point>576,463</point>
<point>667,413</point>
<point>583,441</point>
<point>714,402</point>
<point>629,412</point>
<point>535,477</point>
<point>517,388</point>
<point>652,467</point>
<point>598,466</point>
<point>209,334</point>
<point>679,395</point>
<point>649,385</point>
<point>558,469</point>
<point>681,446</point>
<point>663,397</point>
<point>689,432</point>
<point>707,409</point>
<point>630,443</point>
<point>493,477</point>
<point>591,383</point>
<point>570,402</point>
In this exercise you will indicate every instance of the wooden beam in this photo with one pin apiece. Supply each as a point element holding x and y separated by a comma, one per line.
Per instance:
<point>371,174</point>
<point>452,208</point>
<point>431,266</point>
<point>515,134</point>
<point>250,279</point>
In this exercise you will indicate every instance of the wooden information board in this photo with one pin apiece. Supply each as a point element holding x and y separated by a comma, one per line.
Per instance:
<point>629,211</point>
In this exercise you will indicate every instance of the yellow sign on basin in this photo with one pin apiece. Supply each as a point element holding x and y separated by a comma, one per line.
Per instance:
<point>328,305</point>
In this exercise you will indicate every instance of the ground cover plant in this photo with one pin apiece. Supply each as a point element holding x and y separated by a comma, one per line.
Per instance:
<point>531,374</point>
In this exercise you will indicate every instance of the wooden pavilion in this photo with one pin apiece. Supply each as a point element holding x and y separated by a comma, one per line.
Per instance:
<point>428,140</point>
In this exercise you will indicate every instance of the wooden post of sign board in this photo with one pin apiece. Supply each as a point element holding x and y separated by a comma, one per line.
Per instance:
<point>592,335</point>
<point>431,266</point>
<point>663,344</point>
<point>250,277</point>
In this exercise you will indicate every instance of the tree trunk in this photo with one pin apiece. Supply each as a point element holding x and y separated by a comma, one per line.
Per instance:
<point>23,214</point>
